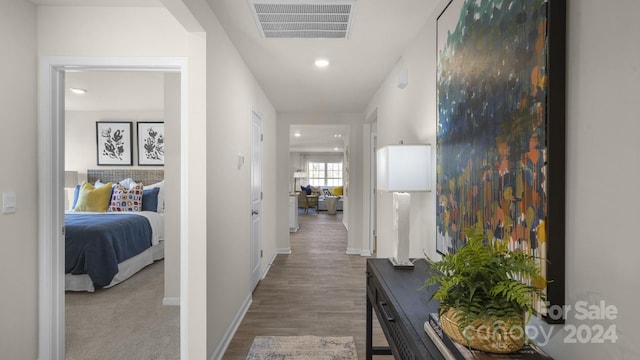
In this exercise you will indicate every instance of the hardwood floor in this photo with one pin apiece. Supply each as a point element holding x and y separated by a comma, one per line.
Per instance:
<point>316,290</point>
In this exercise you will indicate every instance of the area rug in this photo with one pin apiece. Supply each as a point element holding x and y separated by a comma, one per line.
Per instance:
<point>303,347</point>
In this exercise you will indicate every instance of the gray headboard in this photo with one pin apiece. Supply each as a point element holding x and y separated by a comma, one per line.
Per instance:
<point>146,177</point>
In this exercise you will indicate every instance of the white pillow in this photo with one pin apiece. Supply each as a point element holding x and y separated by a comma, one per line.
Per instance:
<point>128,183</point>
<point>159,185</point>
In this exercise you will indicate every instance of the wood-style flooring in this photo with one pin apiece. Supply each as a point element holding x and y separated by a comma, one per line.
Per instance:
<point>316,290</point>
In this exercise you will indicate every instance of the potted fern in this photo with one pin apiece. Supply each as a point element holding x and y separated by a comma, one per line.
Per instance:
<point>486,293</point>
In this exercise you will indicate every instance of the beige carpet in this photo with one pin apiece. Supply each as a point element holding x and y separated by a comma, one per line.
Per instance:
<point>125,322</point>
<point>303,347</point>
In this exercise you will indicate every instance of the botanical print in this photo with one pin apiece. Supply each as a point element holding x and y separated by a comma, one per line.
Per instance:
<point>150,143</point>
<point>492,133</point>
<point>114,143</point>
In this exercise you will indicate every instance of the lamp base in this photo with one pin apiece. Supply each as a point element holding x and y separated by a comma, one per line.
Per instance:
<point>401,265</point>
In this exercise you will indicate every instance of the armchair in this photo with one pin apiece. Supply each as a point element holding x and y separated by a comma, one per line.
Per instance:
<point>306,201</point>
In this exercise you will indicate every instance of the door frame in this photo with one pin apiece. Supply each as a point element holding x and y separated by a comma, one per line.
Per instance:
<point>51,311</point>
<point>373,200</point>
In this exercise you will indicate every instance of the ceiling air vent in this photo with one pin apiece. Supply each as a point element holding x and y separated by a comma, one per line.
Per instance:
<point>303,19</point>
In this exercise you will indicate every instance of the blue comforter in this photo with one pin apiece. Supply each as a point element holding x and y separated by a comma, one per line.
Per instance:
<point>96,243</point>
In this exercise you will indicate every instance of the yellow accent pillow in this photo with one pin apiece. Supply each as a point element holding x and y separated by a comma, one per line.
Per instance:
<point>95,199</point>
<point>336,191</point>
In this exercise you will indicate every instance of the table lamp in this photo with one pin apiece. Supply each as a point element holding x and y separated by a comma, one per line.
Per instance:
<point>299,174</point>
<point>403,169</point>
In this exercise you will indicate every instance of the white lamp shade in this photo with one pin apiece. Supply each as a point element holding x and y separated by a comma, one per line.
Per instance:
<point>299,174</point>
<point>404,168</point>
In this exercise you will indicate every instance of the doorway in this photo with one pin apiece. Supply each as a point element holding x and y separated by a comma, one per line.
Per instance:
<point>51,199</point>
<point>319,163</point>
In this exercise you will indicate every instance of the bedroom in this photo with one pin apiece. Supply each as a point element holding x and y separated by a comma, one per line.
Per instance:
<point>133,100</point>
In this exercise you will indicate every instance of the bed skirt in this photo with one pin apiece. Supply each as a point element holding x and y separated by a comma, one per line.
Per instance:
<point>126,269</point>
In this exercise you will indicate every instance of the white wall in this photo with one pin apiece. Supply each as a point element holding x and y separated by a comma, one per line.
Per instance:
<point>603,161</point>
<point>172,102</point>
<point>231,94</point>
<point>109,31</point>
<point>18,239</point>
<point>408,115</point>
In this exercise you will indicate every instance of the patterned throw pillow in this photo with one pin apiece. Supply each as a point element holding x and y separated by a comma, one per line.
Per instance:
<point>123,199</point>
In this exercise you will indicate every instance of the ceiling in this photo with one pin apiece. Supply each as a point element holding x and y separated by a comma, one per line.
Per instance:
<point>135,3</point>
<point>381,30</point>
<point>115,91</point>
<point>318,138</point>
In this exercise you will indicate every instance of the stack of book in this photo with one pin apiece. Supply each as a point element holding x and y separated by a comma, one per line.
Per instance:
<point>451,350</point>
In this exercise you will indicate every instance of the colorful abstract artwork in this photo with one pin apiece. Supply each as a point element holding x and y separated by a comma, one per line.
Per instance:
<point>500,134</point>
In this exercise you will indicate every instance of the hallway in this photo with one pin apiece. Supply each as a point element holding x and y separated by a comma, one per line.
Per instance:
<point>316,290</point>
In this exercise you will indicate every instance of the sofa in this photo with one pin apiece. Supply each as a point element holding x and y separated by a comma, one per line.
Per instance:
<point>320,190</point>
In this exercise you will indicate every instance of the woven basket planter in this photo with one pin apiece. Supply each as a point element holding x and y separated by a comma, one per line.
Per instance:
<point>491,335</point>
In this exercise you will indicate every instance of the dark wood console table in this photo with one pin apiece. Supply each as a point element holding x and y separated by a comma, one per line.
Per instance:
<point>402,308</point>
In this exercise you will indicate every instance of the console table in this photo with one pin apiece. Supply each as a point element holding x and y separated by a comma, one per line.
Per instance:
<point>402,308</point>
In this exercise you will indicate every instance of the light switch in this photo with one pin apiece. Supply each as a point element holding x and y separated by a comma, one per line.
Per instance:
<point>8,202</point>
<point>240,160</point>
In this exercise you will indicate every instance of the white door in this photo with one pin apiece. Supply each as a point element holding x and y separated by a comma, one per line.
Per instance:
<point>256,198</point>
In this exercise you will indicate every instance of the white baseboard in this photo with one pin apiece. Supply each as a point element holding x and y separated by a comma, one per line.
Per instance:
<point>366,253</point>
<point>171,301</point>
<point>231,331</point>
<point>269,263</point>
<point>284,251</point>
<point>353,251</point>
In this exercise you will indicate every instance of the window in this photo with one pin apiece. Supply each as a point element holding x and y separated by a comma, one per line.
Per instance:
<point>325,174</point>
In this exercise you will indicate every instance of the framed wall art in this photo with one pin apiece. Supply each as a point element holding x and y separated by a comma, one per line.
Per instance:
<point>113,140</point>
<point>151,143</point>
<point>501,131</point>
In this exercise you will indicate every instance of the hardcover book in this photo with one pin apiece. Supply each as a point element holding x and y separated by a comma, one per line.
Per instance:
<point>452,350</point>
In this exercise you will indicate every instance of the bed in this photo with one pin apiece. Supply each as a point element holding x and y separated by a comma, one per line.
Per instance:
<point>103,249</point>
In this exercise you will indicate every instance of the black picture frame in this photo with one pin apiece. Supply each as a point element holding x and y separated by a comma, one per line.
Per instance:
<point>501,131</point>
<point>114,143</point>
<point>150,143</point>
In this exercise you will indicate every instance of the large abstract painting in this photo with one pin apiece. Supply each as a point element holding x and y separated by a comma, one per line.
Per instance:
<point>501,128</point>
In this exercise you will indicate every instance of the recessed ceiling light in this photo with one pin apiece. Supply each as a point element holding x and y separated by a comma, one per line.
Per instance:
<point>78,91</point>
<point>337,135</point>
<point>322,63</point>
<point>297,134</point>
<point>335,149</point>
